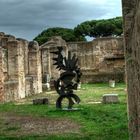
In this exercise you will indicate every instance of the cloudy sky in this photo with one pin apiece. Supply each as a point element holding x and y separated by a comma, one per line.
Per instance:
<point>27,18</point>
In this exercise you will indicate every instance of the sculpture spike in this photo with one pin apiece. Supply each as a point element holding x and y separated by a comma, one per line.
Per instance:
<point>56,59</point>
<point>57,67</point>
<point>55,52</point>
<point>55,63</point>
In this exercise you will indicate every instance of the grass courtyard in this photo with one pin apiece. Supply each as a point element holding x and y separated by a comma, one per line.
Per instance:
<point>94,121</point>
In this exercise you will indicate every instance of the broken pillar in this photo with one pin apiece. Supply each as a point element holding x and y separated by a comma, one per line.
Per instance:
<point>34,57</point>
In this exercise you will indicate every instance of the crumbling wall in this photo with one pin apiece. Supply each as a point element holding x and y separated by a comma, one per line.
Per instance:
<point>100,60</point>
<point>15,78</point>
<point>48,69</point>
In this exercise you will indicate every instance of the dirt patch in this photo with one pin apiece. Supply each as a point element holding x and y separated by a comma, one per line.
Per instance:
<point>24,125</point>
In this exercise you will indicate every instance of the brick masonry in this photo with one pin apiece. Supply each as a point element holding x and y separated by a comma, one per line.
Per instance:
<point>20,68</point>
<point>100,60</point>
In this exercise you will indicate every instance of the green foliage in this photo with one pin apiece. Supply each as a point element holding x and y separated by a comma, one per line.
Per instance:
<point>93,28</point>
<point>100,28</point>
<point>97,121</point>
<point>67,34</point>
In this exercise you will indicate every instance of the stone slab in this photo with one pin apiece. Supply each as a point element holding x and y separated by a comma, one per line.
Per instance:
<point>110,98</point>
<point>43,101</point>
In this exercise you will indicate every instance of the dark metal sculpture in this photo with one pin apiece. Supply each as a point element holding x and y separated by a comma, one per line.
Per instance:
<point>69,79</point>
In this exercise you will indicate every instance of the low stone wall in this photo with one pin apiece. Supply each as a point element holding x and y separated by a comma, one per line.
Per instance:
<point>101,77</point>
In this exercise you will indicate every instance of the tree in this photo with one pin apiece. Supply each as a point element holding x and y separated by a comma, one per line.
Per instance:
<point>67,34</point>
<point>83,29</point>
<point>100,28</point>
<point>131,13</point>
<point>103,28</point>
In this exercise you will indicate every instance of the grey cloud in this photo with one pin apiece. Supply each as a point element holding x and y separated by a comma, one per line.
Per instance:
<point>25,18</point>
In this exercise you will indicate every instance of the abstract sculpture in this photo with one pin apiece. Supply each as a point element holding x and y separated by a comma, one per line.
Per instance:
<point>69,78</point>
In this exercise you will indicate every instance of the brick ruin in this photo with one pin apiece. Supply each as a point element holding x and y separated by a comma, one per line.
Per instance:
<point>100,60</point>
<point>25,65</point>
<point>48,69</point>
<point>20,68</point>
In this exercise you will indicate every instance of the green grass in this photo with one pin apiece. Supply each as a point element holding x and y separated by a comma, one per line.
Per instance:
<point>97,121</point>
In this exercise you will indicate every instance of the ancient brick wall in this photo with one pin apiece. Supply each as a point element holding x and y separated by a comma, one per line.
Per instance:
<point>100,60</point>
<point>18,77</point>
<point>48,69</point>
<point>23,63</point>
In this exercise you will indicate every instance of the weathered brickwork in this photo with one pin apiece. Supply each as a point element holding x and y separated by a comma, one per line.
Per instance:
<point>35,66</point>
<point>20,68</point>
<point>100,60</point>
<point>25,65</point>
<point>1,77</point>
<point>47,63</point>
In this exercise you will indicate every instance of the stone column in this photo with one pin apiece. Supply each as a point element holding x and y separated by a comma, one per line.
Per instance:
<point>4,44</point>
<point>131,16</point>
<point>1,78</point>
<point>16,71</point>
<point>25,44</point>
<point>35,66</point>
<point>45,60</point>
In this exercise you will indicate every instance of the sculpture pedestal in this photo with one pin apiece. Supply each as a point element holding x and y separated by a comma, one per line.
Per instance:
<point>72,109</point>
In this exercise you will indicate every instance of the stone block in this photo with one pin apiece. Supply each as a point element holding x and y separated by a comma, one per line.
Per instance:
<point>79,86</point>
<point>43,101</point>
<point>110,98</point>
<point>46,87</point>
<point>112,83</point>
